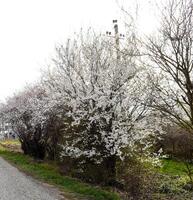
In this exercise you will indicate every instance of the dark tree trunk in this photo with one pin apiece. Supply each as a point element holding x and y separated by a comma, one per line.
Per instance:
<point>110,168</point>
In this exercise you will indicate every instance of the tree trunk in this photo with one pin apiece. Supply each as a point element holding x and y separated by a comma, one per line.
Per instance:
<point>110,167</point>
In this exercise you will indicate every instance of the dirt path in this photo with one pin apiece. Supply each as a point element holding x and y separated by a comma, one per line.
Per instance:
<point>15,185</point>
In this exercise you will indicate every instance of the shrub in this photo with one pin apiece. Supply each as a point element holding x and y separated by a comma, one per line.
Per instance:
<point>139,182</point>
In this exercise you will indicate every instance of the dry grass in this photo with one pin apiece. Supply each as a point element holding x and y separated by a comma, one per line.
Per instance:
<point>11,144</point>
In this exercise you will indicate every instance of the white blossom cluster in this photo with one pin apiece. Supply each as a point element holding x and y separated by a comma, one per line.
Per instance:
<point>100,98</point>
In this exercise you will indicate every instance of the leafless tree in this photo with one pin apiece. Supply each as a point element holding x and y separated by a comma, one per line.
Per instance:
<point>171,51</point>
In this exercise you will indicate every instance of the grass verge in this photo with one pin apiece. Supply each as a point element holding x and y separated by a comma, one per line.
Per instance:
<point>173,167</point>
<point>50,173</point>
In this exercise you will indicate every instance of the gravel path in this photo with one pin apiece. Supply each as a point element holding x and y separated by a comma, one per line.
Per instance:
<point>15,185</point>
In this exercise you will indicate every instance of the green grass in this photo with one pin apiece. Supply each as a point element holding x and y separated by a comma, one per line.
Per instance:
<point>173,167</point>
<point>50,174</point>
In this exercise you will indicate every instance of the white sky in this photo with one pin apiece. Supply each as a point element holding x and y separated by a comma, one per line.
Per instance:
<point>29,30</point>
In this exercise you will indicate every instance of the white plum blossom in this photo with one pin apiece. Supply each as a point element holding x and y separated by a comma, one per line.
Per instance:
<point>90,103</point>
<point>106,97</point>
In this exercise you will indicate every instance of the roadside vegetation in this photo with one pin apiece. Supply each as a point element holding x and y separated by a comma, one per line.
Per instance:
<point>173,183</point>
<point>49,172</point>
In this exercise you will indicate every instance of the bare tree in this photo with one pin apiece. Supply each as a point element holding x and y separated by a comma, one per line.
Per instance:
<point>171,51</point>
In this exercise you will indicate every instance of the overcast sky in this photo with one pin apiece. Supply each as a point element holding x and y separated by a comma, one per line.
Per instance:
<point>29,30</point>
